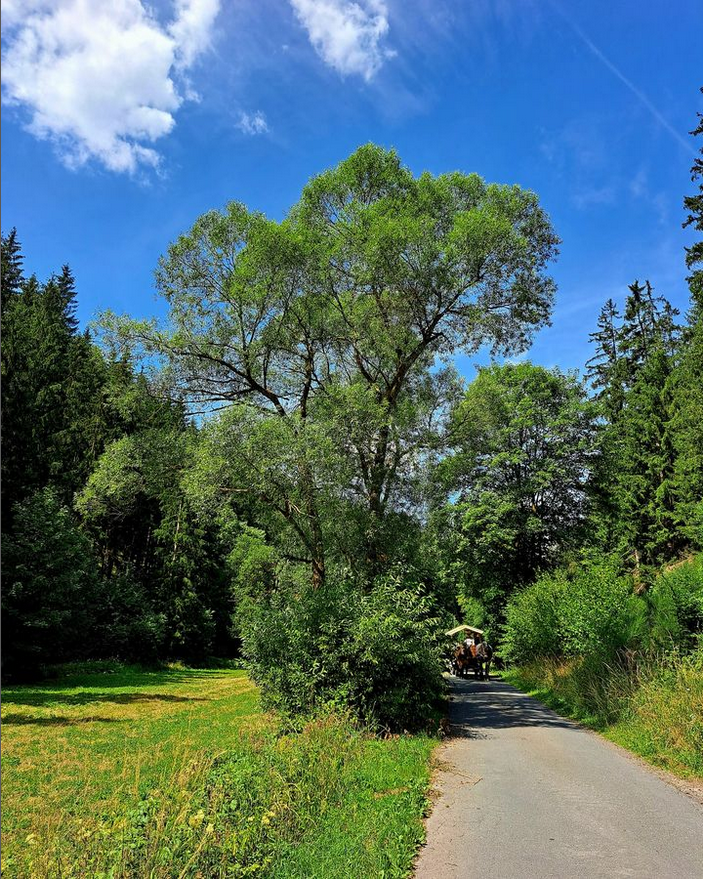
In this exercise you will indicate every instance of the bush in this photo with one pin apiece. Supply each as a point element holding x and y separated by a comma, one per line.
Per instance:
<point>50,582</point>
<point>126,625</point>
<point>532,620</point>
<point>599,614</point>
<point>589,611</point>
<point>376,651</point>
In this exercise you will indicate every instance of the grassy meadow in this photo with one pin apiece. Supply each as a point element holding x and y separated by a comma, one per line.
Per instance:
<point>178,772</point>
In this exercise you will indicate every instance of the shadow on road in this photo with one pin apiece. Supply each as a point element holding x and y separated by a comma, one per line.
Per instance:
<point>480,706</point>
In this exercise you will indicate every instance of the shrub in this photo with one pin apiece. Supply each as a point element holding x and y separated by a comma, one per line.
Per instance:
<point>126,624</point>
<point>533,620</point>
<point>376,651</point>
<point>600,612</point>
<point>50,580</point>
<point>591,610</point>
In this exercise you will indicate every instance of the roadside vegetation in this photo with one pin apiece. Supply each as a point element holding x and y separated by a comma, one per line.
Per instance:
<point>178,772</point>
<point>629,665</point>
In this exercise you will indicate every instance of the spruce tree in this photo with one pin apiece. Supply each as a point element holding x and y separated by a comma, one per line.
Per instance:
<point>10,266</point>
<point>694,205</point>
<point>632,481</point>
<point>605,370</point>
<point>687,381</point>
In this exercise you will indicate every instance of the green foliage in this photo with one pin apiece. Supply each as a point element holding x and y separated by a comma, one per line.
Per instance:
<point>126,623</point>
<point>676,606</point>
<point>375,650</point>
<point>637,477</point>
<point>139,516</point>
<point>53,423</point>
<point>694,206</point>
<point>587,611</point>
<point>628,664</point>
<point>686,430</point>
<point>323,330</point>
<point>50,583</point>
<point>599,614</point>
<point>523,440</point>
<point>533,619</point>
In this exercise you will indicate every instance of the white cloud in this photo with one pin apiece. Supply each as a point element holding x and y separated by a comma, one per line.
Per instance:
<point>97,76</point>
<point>346,35</point>
<point>192,28</point>
<point>252,123</point>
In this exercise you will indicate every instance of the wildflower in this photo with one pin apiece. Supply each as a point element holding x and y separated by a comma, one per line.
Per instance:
<point>197,819</point>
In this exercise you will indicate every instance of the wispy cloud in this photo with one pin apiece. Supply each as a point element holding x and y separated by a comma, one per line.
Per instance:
<point>348,36</point>
<point>101,79</point>
<point>638,93</point>
<point>252,123</point>
<point>594,195</point>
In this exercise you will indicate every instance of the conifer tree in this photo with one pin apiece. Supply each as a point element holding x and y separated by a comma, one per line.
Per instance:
<point>694,205</point>
<point>11,267</point>
<point>687,382</point>
<point>632,480</point>
<point>606,368</point>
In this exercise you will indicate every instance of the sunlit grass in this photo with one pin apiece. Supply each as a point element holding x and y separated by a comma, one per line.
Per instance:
<point>179,773</point>
<point>94,743</point>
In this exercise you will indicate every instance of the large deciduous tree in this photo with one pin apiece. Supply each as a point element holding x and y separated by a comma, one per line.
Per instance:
<point>335,316</point>
<point>523,446</point>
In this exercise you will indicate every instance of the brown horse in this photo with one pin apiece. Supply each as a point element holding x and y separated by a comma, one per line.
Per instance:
<point>465,660</point>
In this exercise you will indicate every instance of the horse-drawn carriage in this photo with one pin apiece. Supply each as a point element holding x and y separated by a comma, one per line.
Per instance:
<point>473,654</point>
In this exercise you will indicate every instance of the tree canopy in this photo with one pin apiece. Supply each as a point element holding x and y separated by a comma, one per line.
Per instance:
<point>335,317</point>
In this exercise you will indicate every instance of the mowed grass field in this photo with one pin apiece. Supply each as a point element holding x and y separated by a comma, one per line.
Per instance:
<point>178,772</point>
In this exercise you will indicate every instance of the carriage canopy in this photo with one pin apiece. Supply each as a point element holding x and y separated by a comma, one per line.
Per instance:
<point>458,629</point>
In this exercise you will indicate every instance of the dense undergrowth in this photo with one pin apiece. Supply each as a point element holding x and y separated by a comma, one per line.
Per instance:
<point>178,773</point>
<point>629,665</point>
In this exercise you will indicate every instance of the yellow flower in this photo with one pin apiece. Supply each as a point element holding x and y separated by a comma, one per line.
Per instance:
<point>197,819</point>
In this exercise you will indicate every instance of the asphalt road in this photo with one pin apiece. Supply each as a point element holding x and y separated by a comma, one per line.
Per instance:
<point>525,793</point>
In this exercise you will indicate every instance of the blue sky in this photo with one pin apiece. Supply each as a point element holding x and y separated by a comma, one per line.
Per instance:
<point>123,121</point>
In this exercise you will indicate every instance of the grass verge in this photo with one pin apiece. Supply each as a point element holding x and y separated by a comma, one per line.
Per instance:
<point>179,773</point>
<point>654,709</point>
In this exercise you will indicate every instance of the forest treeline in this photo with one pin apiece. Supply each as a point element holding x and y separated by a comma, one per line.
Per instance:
<point>291,466</point>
